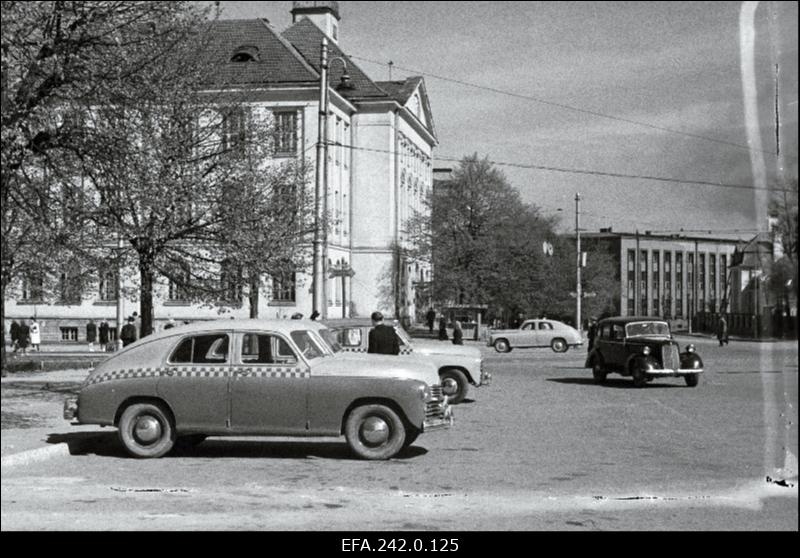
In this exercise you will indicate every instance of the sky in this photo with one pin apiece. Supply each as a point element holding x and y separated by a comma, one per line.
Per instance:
<point>644,89</point>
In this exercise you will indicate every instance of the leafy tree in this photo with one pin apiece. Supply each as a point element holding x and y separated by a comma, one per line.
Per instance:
<point>783,275</point>
<point>54,55</point>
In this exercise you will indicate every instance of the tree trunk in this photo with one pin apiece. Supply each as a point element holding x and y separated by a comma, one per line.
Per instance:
<point>146,275</point>
<point>253,295</point>
<point>3,324</point>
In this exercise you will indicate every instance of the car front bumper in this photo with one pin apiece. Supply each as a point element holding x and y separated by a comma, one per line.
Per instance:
<point>670,373</point>
<point>440,420</point>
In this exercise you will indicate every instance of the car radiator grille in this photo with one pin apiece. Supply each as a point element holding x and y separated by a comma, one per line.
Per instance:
<point>434,407</point>
<point>670,357</point>
<point>437,392</point>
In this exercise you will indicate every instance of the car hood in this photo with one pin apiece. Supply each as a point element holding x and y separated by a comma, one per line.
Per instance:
<point>445,348</point>
<point>377,366</point>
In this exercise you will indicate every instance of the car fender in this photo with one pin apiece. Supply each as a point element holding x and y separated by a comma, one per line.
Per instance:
<point>644,362</point>
<point>691,361</point>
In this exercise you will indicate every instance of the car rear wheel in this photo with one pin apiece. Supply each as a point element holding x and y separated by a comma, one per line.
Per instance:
<point>374,432</point>
<point>559,345</point>
<point>599,372</point>
<point>692,380</point>
<point>502,346</point>
<point>639,379</point>
<point>146,430</point>
<point>454,385</point>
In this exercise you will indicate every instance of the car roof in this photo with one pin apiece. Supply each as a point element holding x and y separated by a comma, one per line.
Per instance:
<point>629,319</point>
<point>283,326</point>
<point>353,322</point>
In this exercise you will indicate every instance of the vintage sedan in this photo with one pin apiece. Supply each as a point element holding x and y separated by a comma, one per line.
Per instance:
<point>536,333</point>
<point>643,349</point>
<point>258,377</point>
<point>458,366</point>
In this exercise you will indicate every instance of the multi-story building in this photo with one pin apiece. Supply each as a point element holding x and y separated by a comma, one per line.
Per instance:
<point>682,278</point>
<point>380,141</point>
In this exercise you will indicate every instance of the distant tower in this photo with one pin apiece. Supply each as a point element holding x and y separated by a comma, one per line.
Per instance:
<point>324,15</point>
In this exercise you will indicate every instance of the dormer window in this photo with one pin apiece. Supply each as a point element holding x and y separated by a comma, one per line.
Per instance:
<point>245,54</point>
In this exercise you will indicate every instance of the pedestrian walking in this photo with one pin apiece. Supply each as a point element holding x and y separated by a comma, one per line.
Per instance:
<point>23,337</point>
<point>458,333</point>
<point>443,329</point>
<point>103,334</point>
<point>382,338</point>
<point>129,333</point>
<point>14,336</point>
<point>91,334</point>
<point>431,317</point>
<point>592,332</point>
<point>35,334</point>
<point>722,331</point>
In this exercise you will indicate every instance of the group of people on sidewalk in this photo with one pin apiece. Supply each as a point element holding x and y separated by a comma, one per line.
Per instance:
<point>24,336</point>
<point>458,332</point>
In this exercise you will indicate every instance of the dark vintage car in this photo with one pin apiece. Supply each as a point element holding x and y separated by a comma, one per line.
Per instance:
<point>642,348</point>
<point>259,378</point>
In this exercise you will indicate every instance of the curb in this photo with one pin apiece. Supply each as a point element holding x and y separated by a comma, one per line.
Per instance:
<point>33,456</point>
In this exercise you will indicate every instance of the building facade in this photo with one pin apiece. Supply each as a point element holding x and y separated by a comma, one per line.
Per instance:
<point>680,278</point>
<point>380,141</point>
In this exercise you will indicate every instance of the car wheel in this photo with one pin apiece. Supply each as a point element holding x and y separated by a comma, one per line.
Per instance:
<point>146,430</point>
<point>502,346</point>
<point>454,385</point>
<point>639,379</point>
<point>599,372</point>
<point>559,345</point>
<point>692,380</point>
<point>374,432</point>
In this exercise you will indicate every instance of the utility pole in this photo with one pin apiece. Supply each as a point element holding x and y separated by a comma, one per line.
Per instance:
<point>120,246</point>
<point>318,301</point>
<point>578,260</point>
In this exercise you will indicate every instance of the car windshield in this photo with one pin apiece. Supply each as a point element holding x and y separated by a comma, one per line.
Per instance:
<point>329,337</point>
<point>649,329</point>
<point>308,346</point>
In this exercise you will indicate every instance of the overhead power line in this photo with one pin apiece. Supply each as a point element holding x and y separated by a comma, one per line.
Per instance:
<point>529,166</point>
<point>567,107</point>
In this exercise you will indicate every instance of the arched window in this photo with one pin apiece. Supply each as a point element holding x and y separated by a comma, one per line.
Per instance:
<point>245,53</point>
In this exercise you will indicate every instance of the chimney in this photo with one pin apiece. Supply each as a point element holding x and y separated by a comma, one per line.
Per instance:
<point>324,15</point>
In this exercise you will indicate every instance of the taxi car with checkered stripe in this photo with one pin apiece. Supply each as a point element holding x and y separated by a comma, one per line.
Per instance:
<point>458,366</point>
<point>258,377</point>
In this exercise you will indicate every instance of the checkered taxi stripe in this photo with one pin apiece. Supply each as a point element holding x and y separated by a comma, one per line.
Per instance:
<point>405,351</point>
<point>201,372</point>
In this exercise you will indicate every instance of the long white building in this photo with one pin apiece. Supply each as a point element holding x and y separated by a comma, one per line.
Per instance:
<point>381,136</point>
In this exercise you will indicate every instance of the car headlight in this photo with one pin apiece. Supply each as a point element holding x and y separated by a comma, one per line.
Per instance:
<point>689,348</point>
<point>425,392</point>
<point>646,350</point>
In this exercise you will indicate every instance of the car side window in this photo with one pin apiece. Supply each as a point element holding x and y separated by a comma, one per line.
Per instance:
<point>349,336</point>
<point>545,325</point>
<point>529,325</point>
<point>202,349</point>
<point>266,349</point>
<point>618,332</point>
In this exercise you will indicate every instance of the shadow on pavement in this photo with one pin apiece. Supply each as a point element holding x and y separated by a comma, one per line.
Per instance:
<point>617,383</point>
<point>107,444</point>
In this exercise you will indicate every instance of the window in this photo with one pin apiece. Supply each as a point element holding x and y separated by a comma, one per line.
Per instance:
<point>690,283</point>
<point>285,133</point>
<point>178,285</point>
<point>283,287</point>
<point>529,325</point>
<point>656,280</point>
<point>349,337</point>
<point>617,332</point>
<point>202,349</point>
<point>33,286</point>
<point>234,129</point>
<point>69,288</point>
<point>308,346</point>
<point>679,285</point>
<point>631,282</point>
<point>266,349</point>
<point>69,333</point>
<point>712,282</point>
<point>643,282</point>
<point>107,288</point>
<point>668,284</point>
<point>245,54</point>
<point>701,282</point>
<point>545,325</point>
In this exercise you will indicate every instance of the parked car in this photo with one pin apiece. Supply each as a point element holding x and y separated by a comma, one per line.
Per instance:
<point>458,366</point>
<point>258,377</point>
<point>536,333</point>
<point>642,348</point>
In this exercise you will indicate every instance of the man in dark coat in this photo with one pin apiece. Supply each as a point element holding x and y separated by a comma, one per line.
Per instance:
<point>443,329</point>
<point>431,317</point>
<point>91,334</point>
<point>103,334</point>
<point>382,338</point>
<point>592,332</point>
<point>128,333</point>
<point>14,335</point>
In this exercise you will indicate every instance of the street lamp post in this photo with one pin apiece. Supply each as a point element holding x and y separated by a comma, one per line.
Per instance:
<point>578,263</point>
<point>320,245</point>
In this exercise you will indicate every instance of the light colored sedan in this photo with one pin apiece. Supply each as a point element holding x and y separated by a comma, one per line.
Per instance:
<point>259,377</point>
<point>536,333</point>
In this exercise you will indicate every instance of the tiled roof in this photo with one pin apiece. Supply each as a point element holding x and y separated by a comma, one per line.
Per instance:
<point>277,61</point>
<point>307,39</point>
<point>400,91</point>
